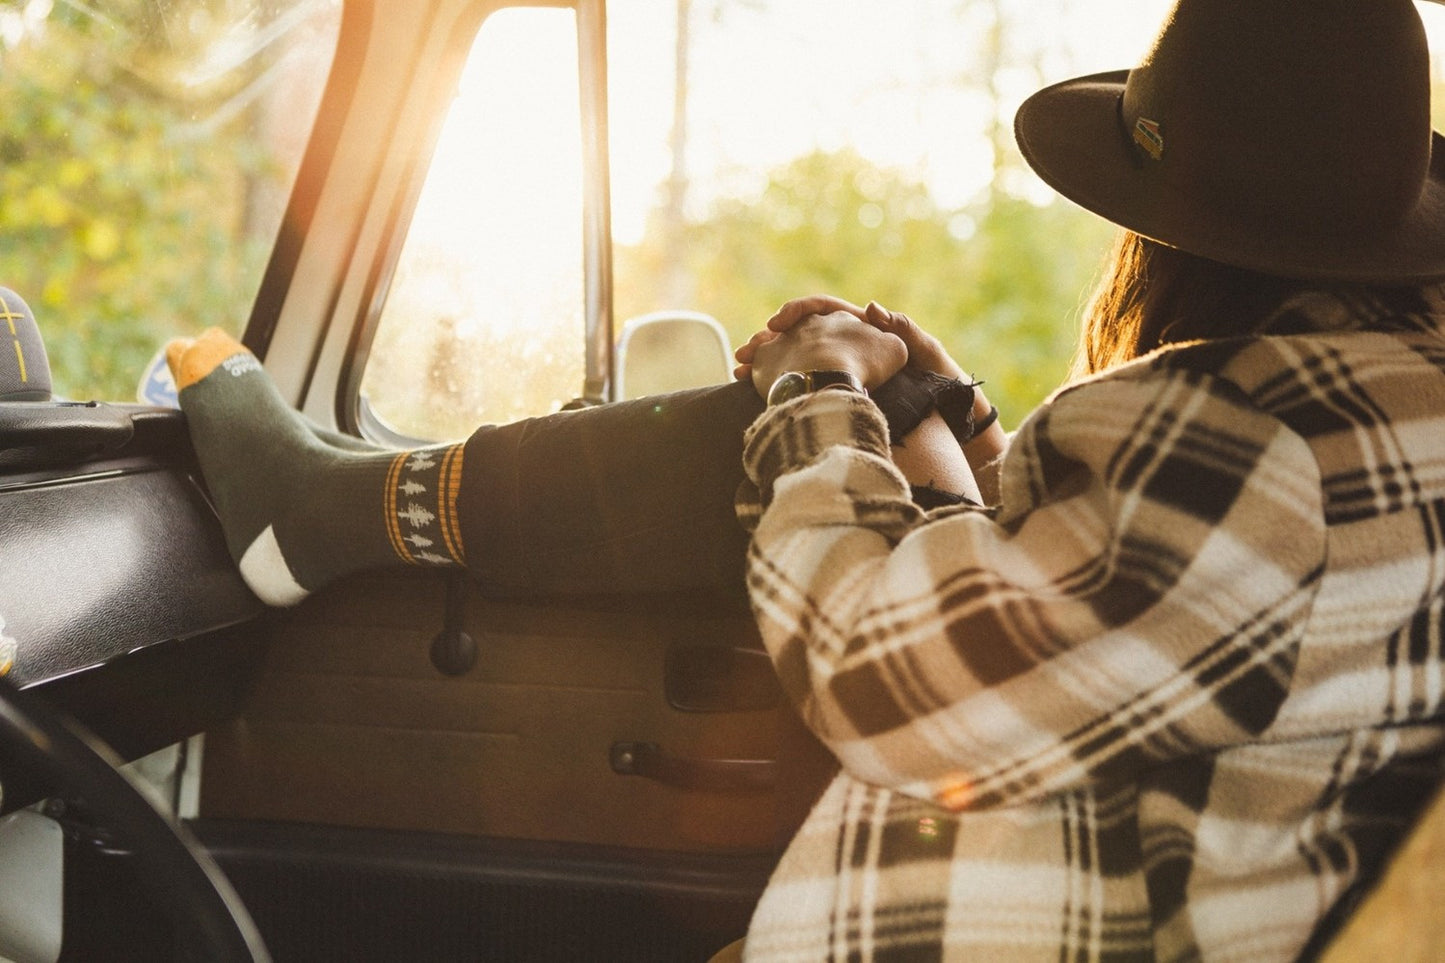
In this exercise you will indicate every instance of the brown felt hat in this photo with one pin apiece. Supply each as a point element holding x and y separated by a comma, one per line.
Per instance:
<point>1288,136</point>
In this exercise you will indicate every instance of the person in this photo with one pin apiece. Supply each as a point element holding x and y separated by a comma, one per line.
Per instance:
<point>1172,688</point>
<point>1176,692</point>
<point>629,497</point>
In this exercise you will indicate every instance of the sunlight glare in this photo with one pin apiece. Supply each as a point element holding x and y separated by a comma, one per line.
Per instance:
<point>514,233</point>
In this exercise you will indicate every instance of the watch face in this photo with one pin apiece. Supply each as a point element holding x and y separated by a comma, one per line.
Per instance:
<point>795,384</point>
<point>790,385</point>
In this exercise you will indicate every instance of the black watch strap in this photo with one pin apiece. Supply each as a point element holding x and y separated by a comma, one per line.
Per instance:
<point>795,384</point>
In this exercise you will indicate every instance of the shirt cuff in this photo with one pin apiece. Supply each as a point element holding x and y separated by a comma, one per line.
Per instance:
<point>790,436</point>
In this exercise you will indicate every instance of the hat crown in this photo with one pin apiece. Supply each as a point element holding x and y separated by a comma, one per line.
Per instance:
<point>1288,136</point>
<point>1314,112</point>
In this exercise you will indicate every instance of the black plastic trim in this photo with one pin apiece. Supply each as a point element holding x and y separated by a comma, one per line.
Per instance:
<point>323,893</point>
<point>481,857</point>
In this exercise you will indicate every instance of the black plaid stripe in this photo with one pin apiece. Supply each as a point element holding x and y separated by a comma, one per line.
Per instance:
<point>1168,846</point>
<point>1399,309</point>
<point>1417,650</point>
<point>1373,795</point>
<point>1100,840</point>
<point>1379,806</point>
<point>1080,841</point>
<point>769,588</point>
<point>1320,391</point>
<point>790,437</point>
<point>1244,673</point>
<point>1362,386</point>
<point>1197,467</point>
<point>911,835</point>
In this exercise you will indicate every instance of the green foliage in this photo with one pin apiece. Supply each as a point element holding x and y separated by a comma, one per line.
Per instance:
<point>1001,285</point>
<point>122,220</point>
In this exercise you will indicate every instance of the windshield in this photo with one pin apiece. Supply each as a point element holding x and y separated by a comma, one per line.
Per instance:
<point>147,148</point>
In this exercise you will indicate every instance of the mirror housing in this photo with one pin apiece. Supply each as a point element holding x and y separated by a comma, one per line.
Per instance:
<point>669,351</point>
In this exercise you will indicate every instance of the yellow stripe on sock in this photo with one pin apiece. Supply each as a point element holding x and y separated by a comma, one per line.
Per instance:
<point>190,361</point>
<point>393,525</point>
<point>450,483</point>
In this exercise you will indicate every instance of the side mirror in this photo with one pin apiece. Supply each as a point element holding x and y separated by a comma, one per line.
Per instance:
<point>670,351</point>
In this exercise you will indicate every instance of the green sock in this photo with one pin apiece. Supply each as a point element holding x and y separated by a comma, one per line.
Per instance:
<point>299,508</point>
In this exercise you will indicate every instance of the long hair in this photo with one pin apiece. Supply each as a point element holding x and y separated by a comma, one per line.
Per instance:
<point>1152,295</point>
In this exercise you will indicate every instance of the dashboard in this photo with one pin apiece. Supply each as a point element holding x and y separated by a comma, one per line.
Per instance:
<point>120,604</point>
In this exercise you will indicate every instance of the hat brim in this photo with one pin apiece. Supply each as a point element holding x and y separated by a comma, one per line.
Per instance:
<point>1070,135</point>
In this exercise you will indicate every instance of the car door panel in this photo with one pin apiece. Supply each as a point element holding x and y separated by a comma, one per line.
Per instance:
<point>484,816</point>
<point>351,724</point>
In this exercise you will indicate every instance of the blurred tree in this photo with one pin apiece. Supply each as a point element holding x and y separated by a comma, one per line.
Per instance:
<point>129,170</point>
<point>676,280</point>
<point>1000,280</point>
<point>1001,285</point>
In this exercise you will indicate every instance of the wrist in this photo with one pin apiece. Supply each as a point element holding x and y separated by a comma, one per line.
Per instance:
<point>981,406</point>
<point>981,425</point>
<point>795,384</point>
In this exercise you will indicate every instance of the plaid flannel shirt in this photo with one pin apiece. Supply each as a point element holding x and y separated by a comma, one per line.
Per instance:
<point>1172,698</point>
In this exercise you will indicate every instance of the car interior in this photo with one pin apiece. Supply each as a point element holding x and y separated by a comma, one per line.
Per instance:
<point>410,764</point>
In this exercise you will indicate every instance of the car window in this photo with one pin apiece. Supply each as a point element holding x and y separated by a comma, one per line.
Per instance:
<point>147,148</point>
<point>759,150</point>
<point>484,318</point>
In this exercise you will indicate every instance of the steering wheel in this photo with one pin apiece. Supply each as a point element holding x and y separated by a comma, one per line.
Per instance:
<point>180,872</point>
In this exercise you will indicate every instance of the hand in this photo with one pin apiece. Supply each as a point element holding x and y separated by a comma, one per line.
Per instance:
<point>927,352</point>
<point>924,350</point>
<point>788,315</point>
<point>799,308</point>
<point>834,341</point>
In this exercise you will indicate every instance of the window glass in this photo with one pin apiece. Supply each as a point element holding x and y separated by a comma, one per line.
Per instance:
<point>761,150</point>
<point>147,148</point>
<point>1433,15</point>
<point>484,320</point>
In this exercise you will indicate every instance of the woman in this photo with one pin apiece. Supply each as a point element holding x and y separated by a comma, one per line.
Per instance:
<point>1177,692</point>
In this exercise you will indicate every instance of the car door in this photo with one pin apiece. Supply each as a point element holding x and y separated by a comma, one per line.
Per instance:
<point>605,768</point>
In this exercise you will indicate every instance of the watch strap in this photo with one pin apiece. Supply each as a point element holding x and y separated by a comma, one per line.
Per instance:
<point>795,384</point>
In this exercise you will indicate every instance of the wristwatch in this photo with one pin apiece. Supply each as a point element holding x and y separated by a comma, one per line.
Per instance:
<point>795,384</point>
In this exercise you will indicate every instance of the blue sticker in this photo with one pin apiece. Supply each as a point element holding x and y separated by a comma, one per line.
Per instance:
<point>157,387</point>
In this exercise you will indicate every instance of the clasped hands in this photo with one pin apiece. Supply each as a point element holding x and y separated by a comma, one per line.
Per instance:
<point>824,333</point>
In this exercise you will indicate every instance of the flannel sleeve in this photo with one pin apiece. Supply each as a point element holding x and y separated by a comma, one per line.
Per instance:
<point>1138,595</point>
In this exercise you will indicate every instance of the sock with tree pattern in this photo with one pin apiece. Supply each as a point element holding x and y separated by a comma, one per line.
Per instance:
<point>298,507</point>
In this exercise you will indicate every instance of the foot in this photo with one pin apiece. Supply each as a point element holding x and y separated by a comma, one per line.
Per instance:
<point>298,507</point>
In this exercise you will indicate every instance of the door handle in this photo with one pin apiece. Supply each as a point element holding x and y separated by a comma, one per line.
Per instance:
<point>650,761</point>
